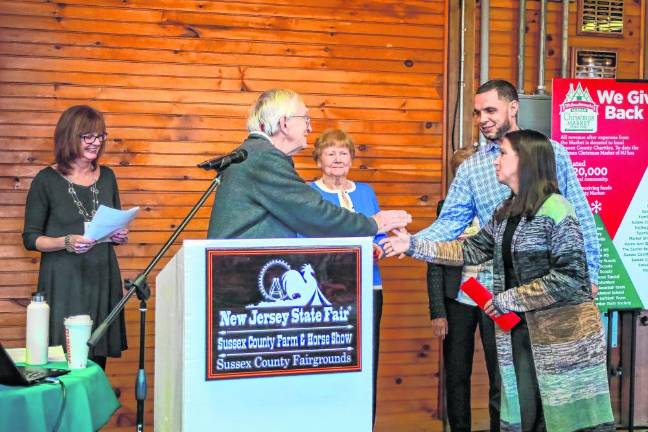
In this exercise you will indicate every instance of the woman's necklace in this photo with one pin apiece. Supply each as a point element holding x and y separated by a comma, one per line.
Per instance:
<point>342,192</point>
<point>87,216</point>
<point>338,185</point>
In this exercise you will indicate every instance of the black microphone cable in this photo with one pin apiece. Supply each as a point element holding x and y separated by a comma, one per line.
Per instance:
<point>59,417</point>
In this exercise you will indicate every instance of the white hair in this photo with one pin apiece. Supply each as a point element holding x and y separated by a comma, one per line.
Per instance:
<point>270,107</point>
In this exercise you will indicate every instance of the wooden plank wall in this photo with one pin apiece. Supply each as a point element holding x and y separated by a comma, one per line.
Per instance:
<point>175,79</point>
<point>503,44</point>
<point>504,41</point>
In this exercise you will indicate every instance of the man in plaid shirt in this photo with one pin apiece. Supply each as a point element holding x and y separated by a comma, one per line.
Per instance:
<point>475,192</point>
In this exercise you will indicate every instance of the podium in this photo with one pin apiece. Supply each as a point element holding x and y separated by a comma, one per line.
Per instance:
<point>265,335</point>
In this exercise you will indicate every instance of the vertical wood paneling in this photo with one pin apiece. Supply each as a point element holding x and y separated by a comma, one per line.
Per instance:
<point>504,37</point>
<point>175,79</point>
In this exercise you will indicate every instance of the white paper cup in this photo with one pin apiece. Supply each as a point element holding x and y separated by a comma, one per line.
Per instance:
<point>77,333</point>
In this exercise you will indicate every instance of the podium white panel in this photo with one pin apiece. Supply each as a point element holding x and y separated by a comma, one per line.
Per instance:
<point>296,398</point>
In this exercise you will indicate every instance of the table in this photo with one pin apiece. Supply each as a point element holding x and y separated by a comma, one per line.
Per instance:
<point>90,402</point>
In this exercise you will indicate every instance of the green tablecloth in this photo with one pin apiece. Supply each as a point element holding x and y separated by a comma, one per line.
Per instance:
<point>90,402</point>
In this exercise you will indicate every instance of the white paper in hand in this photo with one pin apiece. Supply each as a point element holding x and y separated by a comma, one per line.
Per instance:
<point>107,220</point>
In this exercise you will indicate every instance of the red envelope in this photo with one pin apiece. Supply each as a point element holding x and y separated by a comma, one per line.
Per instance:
<point>480,295</point>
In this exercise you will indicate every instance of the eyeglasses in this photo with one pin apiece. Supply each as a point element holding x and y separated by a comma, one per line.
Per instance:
<point>306,118</point>
<point>89,138</point>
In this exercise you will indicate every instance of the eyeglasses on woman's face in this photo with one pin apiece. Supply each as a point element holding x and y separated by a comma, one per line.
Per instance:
<point>89,138</point>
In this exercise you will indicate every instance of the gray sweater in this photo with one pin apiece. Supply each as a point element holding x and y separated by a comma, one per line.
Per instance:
<point>264,197</point>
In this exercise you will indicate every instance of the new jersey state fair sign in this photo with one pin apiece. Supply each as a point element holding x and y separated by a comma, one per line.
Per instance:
<point>603,123</point>
<point>281,311</point>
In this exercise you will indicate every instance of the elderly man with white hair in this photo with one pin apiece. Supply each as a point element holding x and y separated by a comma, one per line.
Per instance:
<point>264,197</point>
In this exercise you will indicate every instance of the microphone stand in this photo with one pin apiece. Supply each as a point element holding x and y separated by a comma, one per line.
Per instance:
<point>141,288</point>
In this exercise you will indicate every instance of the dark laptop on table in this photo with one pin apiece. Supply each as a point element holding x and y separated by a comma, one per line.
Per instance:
<point>13,375</point>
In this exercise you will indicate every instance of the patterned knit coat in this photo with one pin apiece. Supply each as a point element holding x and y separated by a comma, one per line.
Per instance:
<point>567,338</point>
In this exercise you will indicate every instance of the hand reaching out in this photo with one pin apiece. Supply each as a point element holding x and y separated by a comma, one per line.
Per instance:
<point>388,220</point>
<point>396,244</point>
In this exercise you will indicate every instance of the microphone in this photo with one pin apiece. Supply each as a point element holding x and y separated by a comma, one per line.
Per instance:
<point>220,163</point>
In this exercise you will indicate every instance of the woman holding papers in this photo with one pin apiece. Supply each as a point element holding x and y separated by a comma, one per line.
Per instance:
<point>553,363</point>
<point>77,275</point>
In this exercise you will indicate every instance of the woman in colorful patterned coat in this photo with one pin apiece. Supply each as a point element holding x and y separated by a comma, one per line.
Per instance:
<point>553,363</point>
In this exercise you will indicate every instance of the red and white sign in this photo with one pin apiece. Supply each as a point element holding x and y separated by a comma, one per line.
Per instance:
<point>602,123</point>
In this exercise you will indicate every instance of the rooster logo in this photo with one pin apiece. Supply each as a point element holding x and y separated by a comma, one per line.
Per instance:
<point>291,288</point>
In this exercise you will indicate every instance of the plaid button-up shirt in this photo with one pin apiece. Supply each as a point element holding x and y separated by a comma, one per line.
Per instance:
<point>475,192</point>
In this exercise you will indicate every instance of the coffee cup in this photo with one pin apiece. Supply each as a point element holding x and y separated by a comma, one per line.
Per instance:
<point>77,333</point>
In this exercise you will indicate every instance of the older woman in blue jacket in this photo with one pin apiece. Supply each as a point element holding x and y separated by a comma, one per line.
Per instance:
<point>334,152</point>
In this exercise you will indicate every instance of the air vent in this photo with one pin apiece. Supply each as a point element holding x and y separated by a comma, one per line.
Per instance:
<point>603,17</point>
<point>588,63</point>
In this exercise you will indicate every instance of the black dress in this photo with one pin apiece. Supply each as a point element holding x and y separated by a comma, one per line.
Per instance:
<point>88,283</point>
<point>525,370</point>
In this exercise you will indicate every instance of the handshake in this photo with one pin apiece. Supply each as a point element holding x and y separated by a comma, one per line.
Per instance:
<point>388,220</point>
